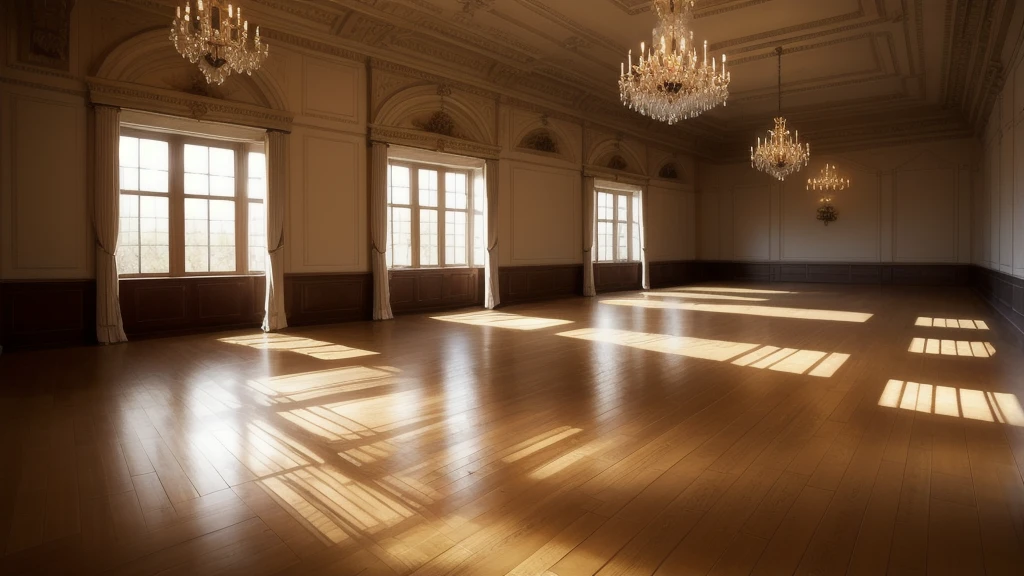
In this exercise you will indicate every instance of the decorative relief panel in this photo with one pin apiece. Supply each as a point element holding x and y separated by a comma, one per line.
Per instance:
<point>44,33</point>
<point>331,90</point>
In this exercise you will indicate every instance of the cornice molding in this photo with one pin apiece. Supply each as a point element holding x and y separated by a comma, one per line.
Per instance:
<point>430,141</point>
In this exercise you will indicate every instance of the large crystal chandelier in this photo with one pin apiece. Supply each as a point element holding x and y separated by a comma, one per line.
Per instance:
<point>670,82</point>
<point>780,154</point>
<point>216,37</point>
<point>828,181</point>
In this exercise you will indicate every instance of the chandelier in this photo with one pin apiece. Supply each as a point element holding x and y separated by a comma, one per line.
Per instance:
<point>216,37</point>
<point>828,181</point>
<point>780,155</point>
<point>670,83</point>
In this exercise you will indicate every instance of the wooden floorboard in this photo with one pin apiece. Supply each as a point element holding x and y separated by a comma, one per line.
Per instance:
<point>622,435</point>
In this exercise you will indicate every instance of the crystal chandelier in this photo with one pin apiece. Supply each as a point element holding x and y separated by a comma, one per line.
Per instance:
<point>780,155</point>
<point>670,83</point>
<point>216,37</point>
<point>828,181</point>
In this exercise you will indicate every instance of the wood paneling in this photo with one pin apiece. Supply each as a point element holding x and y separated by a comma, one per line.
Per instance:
<point>1004,292</point>
<point>616,277</point>
<point>436,289</point>
<point>674,273</point>
<point>47,313</point>
<point>328,298</point>
<point>166,306</point>
<point>528,283</point>
<point>837,273</point>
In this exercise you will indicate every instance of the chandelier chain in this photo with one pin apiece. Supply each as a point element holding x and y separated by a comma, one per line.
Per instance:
<point>781,154</point>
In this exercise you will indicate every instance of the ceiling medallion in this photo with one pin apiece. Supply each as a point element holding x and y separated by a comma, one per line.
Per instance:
<point>670,83</point>
<point>828,181</point>
<point>780,154</point>
<point>216,37</point>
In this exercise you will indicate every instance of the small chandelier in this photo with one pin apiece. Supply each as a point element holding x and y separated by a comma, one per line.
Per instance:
<point>828,181</point>
<point>779,154</point>
<point>670,83</point>
<point>216,37</point>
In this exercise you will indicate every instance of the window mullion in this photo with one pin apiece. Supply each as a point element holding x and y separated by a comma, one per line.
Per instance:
<point>241,209</point>
<point>414,215</point>
<point>442,178</point>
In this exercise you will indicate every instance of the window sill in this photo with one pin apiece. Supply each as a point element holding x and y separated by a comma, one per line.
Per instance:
<point>192,276</point>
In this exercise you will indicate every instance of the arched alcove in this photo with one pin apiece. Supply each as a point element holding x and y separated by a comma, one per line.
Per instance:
<point>418,107</point>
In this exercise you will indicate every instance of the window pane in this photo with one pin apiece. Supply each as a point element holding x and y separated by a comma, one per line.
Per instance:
<point>428,187</point>
<point>153,155</point>
<point>129,152</point>
<point>222,236</point>
<point>197,159</point>
<point>604,205</point>
<point>398,185</point>
<point>129,178</point>
<point>257,175</point>
<point>400,228</point>
<point>622,212</point>
<point>198,184</point>
<point>455,238</point>
<point>456,191</point>
<point>222,162</point>
<point>222,186</point>
<point>257,237</point>
<point>128,235</point>
<point>622,245</point>
<point>428,237</point>
<point>604,241</point>
<point>197,235</point>
<point>154,242</point>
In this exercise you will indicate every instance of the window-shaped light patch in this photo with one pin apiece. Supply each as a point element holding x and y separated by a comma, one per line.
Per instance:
<point>768,311</point>
<point>726,290</point>
<point>702,296</point>
<point>285,343</point>
<point>929,322</point>
<point>792,360</point>
<point>952,401</point>
<point>936,347</point>
<point>503,320</point>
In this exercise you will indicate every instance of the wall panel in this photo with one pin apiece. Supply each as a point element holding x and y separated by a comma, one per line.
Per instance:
<point>545,208</point>
<point>926,215</point>
<point>751,212</point>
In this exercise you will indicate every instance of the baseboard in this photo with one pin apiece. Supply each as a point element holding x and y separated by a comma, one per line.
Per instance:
<point>1002,291</point>
<point>905,274</point>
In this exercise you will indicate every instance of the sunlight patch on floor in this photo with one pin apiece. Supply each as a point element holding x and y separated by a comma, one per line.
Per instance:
<point>285,343</point>
<point>951,323</point>
<point>667,294</point>
<point>789,360</point>
<point>938,347</point>
<point>949,401</point>
<point>503,320</point>
<point>769,311</point>
<point>733,290</point>
<point>311,385</point>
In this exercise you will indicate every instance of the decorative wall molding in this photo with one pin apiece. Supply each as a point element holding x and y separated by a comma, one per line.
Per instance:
<point>170,306</point>
<point>328,298</point>
<point>436,289</point>
<point>531,283</point>
<point>429,141</point>
<point>617,276</point>
<point>44,33</point>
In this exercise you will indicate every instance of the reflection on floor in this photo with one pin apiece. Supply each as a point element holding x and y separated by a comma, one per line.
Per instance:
<point>951,323</point>
<point>702,296</point>
<point>632,441</point>
<point>770,311</point>
<point>949,401</point>
<point>754,355</point>
<point>951,347</point>
<point>503,320</point>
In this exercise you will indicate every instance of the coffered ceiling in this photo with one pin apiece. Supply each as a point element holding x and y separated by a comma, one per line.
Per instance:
<point>854,71</point>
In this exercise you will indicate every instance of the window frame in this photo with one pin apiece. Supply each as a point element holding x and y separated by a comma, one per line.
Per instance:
<point>441,209</point>
<point>632,224</point>
<point>176,200</point>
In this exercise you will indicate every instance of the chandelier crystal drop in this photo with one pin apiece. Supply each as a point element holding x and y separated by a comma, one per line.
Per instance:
<point>670,81</point>
<point>215,36</point>
<point>828,181</point>
<point>780,154</point>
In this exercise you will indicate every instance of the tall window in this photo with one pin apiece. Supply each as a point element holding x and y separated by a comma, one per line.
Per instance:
<point>190,206</point>
<point>434,219</point>
<point>618,226</point>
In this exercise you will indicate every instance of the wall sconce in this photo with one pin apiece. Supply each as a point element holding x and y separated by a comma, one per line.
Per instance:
<point>828,181</point>
<point>827,212</point>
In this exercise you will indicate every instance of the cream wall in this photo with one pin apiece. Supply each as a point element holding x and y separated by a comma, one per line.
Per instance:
<point>908,204</point>
<point>999,197</point>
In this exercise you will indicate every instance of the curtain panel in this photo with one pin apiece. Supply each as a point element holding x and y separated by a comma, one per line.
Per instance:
<point>491,297</point>
<point>277,194</point>
<point>379,231</point>
<point>106,222</point>
<point>589,215</point>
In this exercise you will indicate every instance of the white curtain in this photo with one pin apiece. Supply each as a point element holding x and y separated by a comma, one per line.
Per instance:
<point>379,230</point>
<point>645,267</point>
<point>589,214</point>
<point>491,297</point>
<point>106,221</point>
<point>277,194</point>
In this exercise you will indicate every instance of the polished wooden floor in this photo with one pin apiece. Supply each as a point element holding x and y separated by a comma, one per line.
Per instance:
<point>739,429</point>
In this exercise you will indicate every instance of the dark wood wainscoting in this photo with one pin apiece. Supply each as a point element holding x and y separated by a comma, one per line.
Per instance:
<point>837,273</point>
<point>530,283</point>
<point>328,298</point>
<point>673,273</point>
<point>47,313</point>
<point>168,306</point>
<point>1004,292</point>
<point>617,276</point>
<point>436,289</point>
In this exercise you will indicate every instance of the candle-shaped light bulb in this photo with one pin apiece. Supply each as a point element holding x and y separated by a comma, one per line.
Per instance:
<point>723,65</point>
<point>631,61</point>
<point>177,12</point>
<point>705,52</point>
<point>642,50</point>
<point>231,11</point>
<point>200,5</point>
<point>245,26</point>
